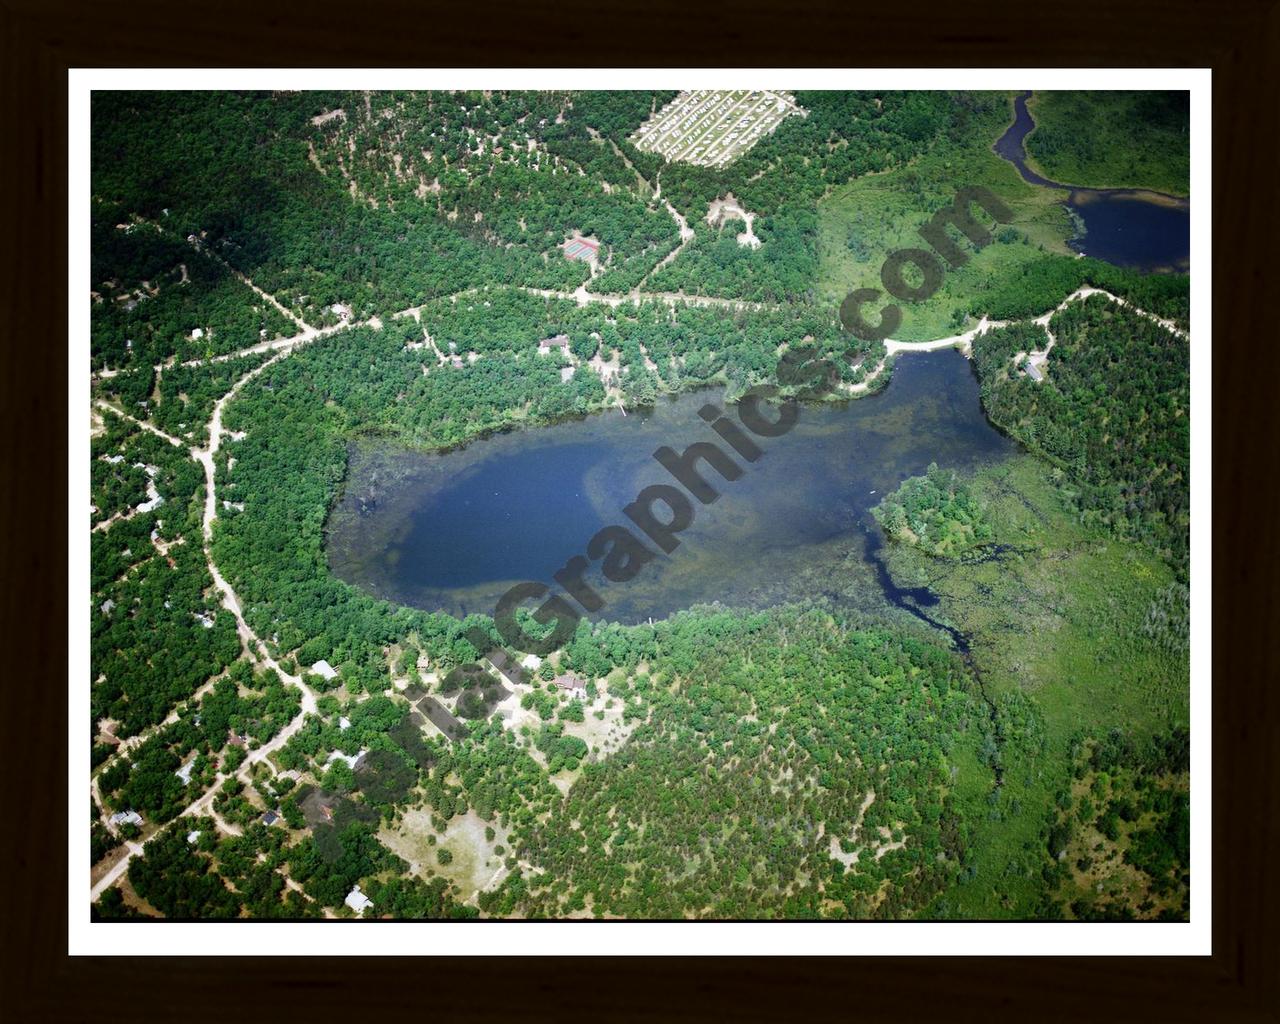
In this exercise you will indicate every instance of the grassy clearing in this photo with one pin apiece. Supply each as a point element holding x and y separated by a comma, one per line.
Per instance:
<point>472,861</point>
<point>862,222</point>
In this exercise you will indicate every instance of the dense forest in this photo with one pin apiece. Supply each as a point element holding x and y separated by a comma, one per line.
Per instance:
<point>801,762</point>
<point>936,512</point>
<point>835,808</point>
<point>155,636</point>
<point>155,298</point>
<point>1113,412</point>
<point>1135,139</point>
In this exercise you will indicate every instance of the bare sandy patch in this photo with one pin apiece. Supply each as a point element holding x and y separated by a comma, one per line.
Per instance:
<point>728,208</point>
<point>606,734</point>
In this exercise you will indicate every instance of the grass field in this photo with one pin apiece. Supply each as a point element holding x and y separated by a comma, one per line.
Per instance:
<point>1056,630</point>
<point>1134,139</point>
<point>862,222</point>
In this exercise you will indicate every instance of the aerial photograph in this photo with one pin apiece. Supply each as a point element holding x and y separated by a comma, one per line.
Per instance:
<point>678,505</point>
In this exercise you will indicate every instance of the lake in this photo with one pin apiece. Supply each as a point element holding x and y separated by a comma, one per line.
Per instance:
<point>1149,231</point>
<point>452,531</point>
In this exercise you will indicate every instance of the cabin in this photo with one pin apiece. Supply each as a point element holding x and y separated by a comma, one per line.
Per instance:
<point>1033,371</point>
<point>572,685</point>
<point>560,341</point>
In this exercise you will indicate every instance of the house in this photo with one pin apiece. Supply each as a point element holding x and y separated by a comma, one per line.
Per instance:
<point>344,723</point>
<point>126,817</point>
<point>357,900</point>
<point>353,760</point>
<point>193,837</point>
<point>270,818</point>
<point>324,669</point>
<point>572,685</point>
<point>1033,371</point>
<point>560,341</point>
<point>184,773</point>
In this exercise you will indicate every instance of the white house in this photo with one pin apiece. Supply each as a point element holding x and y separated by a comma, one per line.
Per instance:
<point>323,668</point>
<point>353,760</point>
<point>357,900</point>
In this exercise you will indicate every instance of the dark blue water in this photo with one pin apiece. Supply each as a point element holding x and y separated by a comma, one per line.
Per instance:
<point>453,531</point>
<point>1149,231</point>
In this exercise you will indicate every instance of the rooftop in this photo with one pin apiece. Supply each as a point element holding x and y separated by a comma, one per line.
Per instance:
<point>324,669</point>
<point>357,900</point>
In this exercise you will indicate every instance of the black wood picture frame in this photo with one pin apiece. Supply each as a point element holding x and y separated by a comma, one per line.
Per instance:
<point>1238,39</point>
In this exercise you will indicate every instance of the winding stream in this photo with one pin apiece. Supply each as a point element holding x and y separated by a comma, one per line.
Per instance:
<point>1146,230</point>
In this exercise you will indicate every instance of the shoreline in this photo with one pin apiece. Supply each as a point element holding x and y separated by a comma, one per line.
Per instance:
<point>1160,198</point>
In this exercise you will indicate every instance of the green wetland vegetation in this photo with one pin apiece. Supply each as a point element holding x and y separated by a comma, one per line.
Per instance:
<point>952,682</point>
